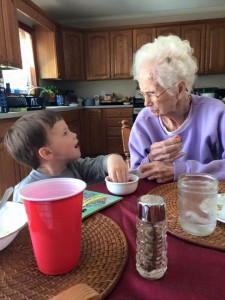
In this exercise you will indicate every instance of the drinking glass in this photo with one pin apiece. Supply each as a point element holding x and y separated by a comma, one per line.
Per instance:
<point>197,201</point>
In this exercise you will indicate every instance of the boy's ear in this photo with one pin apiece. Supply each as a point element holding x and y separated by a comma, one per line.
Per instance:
<point>45,153</point>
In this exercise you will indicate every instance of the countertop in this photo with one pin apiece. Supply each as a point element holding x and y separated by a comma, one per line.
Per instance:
<point>61,108</point>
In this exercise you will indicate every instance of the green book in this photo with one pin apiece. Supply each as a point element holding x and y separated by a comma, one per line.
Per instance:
<point>94,201</point>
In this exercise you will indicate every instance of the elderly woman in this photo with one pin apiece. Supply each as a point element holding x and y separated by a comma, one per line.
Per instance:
<point>176,132</point>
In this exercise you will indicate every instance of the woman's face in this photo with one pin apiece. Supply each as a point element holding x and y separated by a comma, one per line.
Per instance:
<point>157,98</point>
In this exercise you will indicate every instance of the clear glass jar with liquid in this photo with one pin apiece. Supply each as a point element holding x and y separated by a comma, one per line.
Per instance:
<point>197,202</point>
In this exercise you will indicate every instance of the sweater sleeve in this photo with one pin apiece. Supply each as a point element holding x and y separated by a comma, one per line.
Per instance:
<point>91,170</point>
<point>139,148</point>
<point>215,167</point>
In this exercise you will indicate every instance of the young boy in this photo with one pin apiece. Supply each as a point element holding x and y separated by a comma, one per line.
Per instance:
<point>43,141</point>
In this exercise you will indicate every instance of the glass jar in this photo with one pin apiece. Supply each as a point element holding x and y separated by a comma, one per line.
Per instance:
<point>151,255</point>
<point>197,202</point>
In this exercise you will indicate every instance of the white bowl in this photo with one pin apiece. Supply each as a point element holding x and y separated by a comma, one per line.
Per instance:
<point>122,188</point>
<point>73,104</point>
<point>12,218</point>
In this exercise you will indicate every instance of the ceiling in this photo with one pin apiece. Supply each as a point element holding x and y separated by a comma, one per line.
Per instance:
<point>103,13</point>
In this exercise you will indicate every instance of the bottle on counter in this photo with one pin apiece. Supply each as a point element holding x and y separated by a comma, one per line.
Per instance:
<point>8,88</point>
<point>1,82</point>
<point>151,255</point>
<point>59,100</point>
<point>3,101</point>
<point>97,101</point>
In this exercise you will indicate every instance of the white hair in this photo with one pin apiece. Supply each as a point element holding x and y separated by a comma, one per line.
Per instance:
<point>167,61</point>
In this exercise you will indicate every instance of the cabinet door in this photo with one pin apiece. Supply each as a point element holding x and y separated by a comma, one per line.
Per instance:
<point>143,36</point>
<point>195,34</point>
<point>167,30</point>
<point>72,119</point>
<point>24,171</point>
<point>93,136</point>
<point>121,53</point>
<point>215,48</point>
<point>11,31</point>
<point>3,56</point>
<point>112,121</point>
<point>73,54</point>
<point>9,172</point>
<point>45,43</point>
<point>97,55</point>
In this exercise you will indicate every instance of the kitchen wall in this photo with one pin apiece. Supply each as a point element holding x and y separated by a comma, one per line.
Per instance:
<point>124,88</point>
<point>86,89</point>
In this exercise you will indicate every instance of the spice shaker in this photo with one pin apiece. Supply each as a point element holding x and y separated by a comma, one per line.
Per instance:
<point>151,255</point>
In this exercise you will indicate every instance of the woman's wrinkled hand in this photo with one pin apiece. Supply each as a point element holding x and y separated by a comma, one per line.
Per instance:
<point>166,151</point>
<point>158,170</point>
<point>117,168</point>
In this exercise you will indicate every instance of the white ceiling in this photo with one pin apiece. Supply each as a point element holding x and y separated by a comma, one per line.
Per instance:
<point>103,13</point>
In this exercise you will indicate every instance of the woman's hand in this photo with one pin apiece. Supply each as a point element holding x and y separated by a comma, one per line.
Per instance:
<point>117,168</point>
<point>167,151</point>
<point>158,170</point>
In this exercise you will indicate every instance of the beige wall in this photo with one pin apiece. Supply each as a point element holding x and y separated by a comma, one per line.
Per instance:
<point>126,88</point>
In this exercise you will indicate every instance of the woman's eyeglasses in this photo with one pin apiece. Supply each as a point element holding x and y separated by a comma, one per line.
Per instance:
<point>152,95</point>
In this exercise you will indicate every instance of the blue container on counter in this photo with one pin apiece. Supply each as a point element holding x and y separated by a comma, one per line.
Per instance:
<point>3,101</point>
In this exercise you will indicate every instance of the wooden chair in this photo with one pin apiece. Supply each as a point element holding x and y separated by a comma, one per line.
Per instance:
<point>125,131</point>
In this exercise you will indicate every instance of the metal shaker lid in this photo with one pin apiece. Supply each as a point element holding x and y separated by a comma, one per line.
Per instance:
<point>151,208</point>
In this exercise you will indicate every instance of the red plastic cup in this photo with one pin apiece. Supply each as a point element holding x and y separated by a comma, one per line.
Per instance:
<point>54,211</point>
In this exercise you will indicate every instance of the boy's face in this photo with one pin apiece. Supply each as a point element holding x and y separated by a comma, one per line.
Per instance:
<point>62,142</point>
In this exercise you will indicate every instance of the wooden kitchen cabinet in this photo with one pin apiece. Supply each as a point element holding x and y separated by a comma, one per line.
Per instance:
<point>46,52</point>
<point>72,119</point>
<point>215,48</point>
<point>93,132</point>
<point>167,30</point>
<point>97,55</point>
<point>73,52</point>
<point>112,122</point>
<point>121,53</point>
<point>195,34</point>
<point>108,54</point>
<point>10,54</point>
<point>143,36</point>
<point>10,169</point>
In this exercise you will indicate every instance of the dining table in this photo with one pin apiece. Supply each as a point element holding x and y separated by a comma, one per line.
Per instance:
<point>195,267</point>
<point>194,272</point>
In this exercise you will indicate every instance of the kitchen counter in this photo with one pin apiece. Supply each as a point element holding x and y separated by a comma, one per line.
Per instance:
<point>61,108</point>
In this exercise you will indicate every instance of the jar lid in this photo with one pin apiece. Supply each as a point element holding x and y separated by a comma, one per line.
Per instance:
<point>151,208</point>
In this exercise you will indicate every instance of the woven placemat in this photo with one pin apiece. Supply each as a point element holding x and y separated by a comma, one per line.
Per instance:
<point>103,257</point>
<point>169,192</point>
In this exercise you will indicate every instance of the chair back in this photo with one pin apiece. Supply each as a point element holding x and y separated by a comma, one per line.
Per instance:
<point>125,131</point>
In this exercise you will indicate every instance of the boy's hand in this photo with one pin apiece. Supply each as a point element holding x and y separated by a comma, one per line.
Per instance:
<point>117,168</point>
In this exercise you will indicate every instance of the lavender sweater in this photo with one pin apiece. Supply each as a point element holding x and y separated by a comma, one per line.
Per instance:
<point>203,138</point>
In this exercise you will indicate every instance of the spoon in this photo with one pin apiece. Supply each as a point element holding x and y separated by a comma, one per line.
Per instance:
<point>6,196</point>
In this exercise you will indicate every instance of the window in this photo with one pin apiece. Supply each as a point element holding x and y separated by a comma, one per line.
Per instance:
<point>26,78</point>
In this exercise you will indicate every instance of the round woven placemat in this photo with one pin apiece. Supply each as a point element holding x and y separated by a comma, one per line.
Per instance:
<point>169,192</point>
<point>103,257</point>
